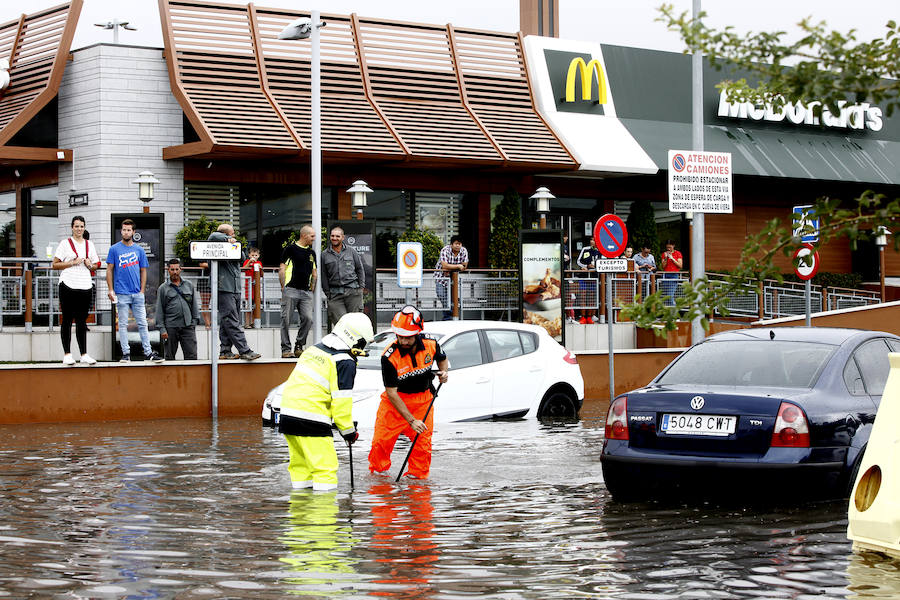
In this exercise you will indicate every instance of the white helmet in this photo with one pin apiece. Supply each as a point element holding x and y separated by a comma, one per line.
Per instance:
<point>352,332</point>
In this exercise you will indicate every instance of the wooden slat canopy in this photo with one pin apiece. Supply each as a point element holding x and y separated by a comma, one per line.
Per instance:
<point>390,90</point>
<point>37,46</point>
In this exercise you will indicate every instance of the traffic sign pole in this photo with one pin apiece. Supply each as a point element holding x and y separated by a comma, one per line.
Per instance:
<point>609,330</point>
<point>214,335</point>
<point>808,302</point>
<point>611,237</point>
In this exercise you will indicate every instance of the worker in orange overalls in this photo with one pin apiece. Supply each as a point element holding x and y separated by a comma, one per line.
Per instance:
<point>406,371</point>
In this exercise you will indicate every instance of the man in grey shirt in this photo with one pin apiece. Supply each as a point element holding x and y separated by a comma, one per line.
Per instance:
<point>343,277</point>
<point>177,312</point>
<point>229,302</point>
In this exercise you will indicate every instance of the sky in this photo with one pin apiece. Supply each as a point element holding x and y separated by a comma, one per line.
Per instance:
<point>622,22</point>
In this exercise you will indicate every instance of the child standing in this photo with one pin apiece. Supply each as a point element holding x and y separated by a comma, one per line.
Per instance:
<point>251,266</point>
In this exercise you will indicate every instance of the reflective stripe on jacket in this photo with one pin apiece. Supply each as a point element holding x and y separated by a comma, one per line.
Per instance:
<point>413,369</point>
<point>319,391</point>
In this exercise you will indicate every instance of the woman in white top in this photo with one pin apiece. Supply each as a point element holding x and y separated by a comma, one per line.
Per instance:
<point>77,260</point>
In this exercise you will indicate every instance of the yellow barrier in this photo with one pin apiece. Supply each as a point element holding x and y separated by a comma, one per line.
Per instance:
<point>874,513</point>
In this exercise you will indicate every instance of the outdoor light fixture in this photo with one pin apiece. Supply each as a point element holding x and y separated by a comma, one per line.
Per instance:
<point>542,197</point>
<point>145,183</point>
<point>358,192</point>
<point>114,25</point>
<point>881,241</point>
<point>301,29</point>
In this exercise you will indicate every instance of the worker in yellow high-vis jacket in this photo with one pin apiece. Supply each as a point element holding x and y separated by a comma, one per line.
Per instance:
<point>318,392</point>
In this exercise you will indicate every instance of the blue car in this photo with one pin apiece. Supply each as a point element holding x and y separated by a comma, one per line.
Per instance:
<point>761,412</point>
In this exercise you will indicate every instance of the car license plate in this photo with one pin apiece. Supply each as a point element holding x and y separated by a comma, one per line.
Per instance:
<point>698,425</point>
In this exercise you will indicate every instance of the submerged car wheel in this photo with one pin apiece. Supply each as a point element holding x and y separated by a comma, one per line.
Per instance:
<point>558,404</point>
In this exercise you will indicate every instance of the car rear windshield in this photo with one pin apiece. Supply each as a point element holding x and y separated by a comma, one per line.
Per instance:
<point>377,346</point>
<point>750,363</point>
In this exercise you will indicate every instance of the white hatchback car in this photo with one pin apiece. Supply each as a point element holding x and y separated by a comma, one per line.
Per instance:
<point>498,370</point>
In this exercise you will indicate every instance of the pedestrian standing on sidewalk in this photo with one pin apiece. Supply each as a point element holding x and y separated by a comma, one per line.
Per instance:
<point>297,275</point>
<point>76,259</point>
<point>231,334</point>
<point>343,277</point>
<point>126,278</point>
<point>177,313</point>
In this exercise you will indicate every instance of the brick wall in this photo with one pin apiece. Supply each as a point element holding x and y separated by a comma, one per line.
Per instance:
<point>117,112</point>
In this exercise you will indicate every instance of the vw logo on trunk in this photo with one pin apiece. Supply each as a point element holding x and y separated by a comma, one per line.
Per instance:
<point>697,402</point>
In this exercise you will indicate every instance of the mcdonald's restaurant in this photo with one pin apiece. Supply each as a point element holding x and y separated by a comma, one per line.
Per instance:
<point>440,122</point>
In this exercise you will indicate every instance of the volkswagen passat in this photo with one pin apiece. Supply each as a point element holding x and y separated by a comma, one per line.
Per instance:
<point>498,370</point>
<point>751,411</point>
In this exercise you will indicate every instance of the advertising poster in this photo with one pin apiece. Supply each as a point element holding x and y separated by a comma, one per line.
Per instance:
<point>542,280</point>
<point>149,233</point>
<point>360,235</point>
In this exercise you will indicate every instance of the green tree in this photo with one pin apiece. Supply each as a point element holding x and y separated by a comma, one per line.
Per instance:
<point>641,225</point>
<point>503,252</point>
<point>431,246</point>
<point>823,65</point>
<point>827,66</point>
<point>195,231</point>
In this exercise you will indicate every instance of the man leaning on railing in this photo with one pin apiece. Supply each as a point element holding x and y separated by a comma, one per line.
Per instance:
<point>454,257</point>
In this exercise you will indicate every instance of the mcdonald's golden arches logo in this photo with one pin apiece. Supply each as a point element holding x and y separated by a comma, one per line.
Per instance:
<point>587,71</point>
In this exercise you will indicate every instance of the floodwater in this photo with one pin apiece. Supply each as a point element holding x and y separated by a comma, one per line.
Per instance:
<point>188,509</point>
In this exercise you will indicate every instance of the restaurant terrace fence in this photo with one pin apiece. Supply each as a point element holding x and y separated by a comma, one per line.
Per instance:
<point>29,295</point>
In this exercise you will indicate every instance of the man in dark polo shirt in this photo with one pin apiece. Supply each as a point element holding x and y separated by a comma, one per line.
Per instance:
<point>297,273</point>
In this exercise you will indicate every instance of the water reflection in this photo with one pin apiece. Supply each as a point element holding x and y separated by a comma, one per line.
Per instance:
<point>182,509</point>
<point>401,540</point>
<point>318,546</point>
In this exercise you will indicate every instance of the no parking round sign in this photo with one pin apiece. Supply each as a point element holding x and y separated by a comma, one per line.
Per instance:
<point>610,236</point>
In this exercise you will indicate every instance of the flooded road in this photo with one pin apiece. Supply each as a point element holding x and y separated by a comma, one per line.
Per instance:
<point>187,509</point>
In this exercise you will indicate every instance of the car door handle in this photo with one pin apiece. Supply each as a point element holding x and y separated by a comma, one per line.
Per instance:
<point>535,368</point>
<point>483,380</point>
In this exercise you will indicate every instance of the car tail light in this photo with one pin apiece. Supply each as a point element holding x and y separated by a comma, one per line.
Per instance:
<point>570,357</point>
<point>791,428</point>
<point>617,420</point>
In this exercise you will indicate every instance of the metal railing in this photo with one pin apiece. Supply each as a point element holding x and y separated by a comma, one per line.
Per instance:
<point>29,289</point>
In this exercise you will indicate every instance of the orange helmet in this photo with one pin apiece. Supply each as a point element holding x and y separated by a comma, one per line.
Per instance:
<point>408,321</point>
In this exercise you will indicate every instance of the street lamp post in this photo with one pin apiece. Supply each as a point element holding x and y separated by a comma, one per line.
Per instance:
<point>301,29</point>
<point>881,242</point>
<point>358,192</point>
<point>542,197</point>
<point>145,182</point>
<point>114,25</point>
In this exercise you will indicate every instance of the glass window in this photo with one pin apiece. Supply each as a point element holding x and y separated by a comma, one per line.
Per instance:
<point>390,211</point>
<point>872,360</point>
<point>504,343</point>
<point>749,363</point>
<point>438,213</point>
<point>8,224</point>
<point>44,221</point>
<point>463,350</point>
<point>853,379</point>
<point>529,341</point>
